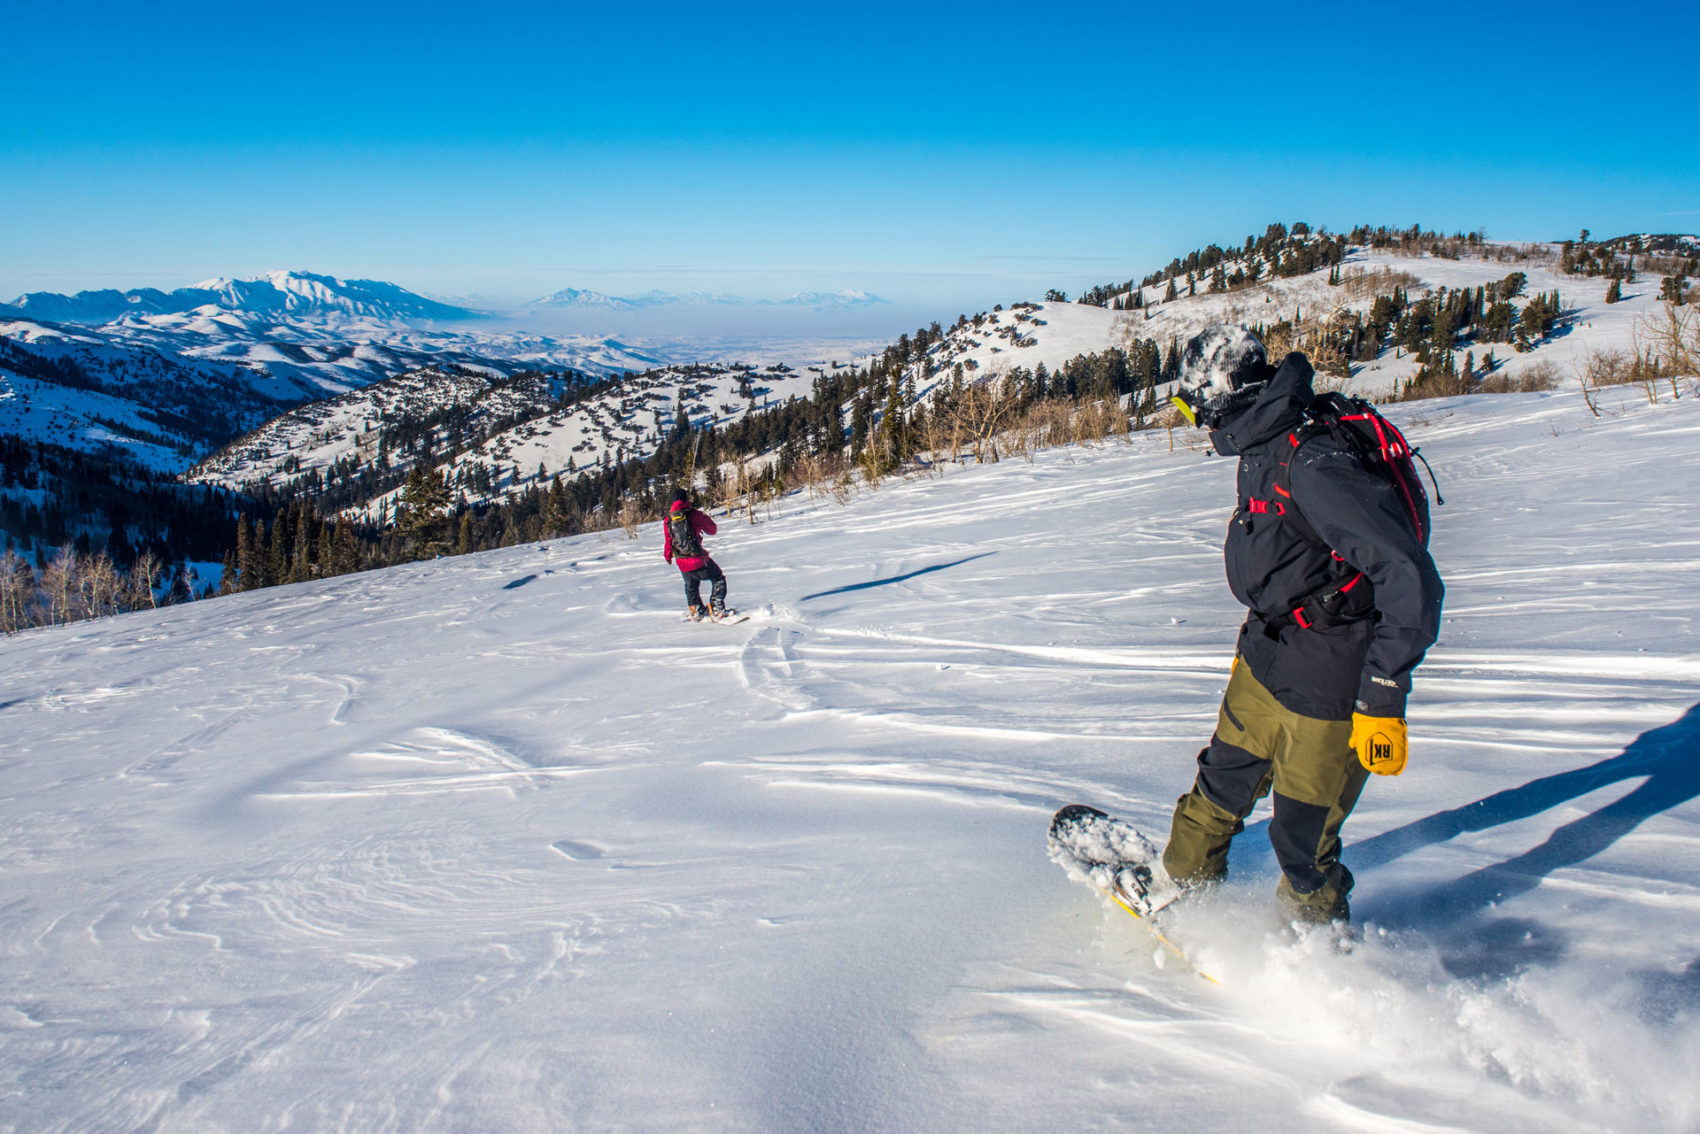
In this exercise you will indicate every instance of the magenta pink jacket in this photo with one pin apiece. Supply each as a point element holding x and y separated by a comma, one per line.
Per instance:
<point>701,525</point>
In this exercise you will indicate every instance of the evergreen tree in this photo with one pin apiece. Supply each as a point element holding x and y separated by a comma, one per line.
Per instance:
<point>247,561</point>
<point>891,424</point>
<point>421,512</point>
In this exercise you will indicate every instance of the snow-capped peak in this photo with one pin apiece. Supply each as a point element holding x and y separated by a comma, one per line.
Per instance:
<point>273,293</point>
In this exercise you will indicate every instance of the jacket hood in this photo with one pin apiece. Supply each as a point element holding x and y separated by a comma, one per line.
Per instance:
<point>1279,408</point>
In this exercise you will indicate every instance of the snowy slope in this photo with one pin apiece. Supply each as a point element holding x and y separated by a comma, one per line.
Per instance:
<point>174,387</point>
<point>328,356</point>
<point>1053,333</point>
<point>497,843</point>
<point>78,388</point>
<point>290,337</point>
<point>631,419</point>
<point>318,435</point>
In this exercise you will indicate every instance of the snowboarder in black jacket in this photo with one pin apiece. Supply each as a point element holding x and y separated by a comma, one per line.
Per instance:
<point>1312,707</point>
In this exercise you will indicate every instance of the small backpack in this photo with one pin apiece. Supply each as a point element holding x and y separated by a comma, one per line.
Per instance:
<point>685,542</point>
<point>1357,427</point>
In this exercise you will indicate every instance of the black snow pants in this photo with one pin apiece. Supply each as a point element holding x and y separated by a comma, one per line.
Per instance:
<point>710,571</point>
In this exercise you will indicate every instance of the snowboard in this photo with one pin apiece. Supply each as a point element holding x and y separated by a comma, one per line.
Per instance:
<point>1121,864</point>
<point>730,618</point>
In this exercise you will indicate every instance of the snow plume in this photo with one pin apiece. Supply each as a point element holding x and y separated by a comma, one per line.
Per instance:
<point>1390,1024</point>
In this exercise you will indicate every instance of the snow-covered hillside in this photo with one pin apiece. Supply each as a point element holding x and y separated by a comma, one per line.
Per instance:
<point>325,357</point>
<point>562,435</point>
<point>497,842</point>
<point>630,420</point>
<point>240,369</point>
<point>1052,333</point>
<point>247,350</point>
<point>313,438</point>
<point>83,390</point>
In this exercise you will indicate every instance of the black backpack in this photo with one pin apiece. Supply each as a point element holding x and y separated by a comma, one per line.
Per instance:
<point>685,541</point>
<point>1359,428</point>
<point>1356,426</point>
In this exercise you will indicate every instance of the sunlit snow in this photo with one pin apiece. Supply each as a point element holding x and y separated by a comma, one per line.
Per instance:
<point>499,843</point>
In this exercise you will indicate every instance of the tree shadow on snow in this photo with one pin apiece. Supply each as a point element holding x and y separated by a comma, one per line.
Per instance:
<point>1668,760</point>
<point>894,578</point>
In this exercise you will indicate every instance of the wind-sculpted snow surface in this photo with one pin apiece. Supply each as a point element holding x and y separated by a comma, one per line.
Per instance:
<point>498,843</point>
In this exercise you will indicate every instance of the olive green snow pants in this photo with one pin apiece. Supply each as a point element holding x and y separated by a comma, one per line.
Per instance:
<point>1261,746</point>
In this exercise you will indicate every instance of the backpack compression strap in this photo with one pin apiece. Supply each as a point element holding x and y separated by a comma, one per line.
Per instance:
<point>1331,604</point>
<point>1393,448</point>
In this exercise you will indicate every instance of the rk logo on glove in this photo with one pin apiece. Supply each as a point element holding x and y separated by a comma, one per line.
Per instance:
<point>1380,743</point>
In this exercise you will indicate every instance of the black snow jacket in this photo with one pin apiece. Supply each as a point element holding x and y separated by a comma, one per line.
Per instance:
<point>1364,665</point>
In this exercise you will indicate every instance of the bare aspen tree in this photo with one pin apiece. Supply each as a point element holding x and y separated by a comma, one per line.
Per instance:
<point>59,585</point>
<point>1674,335</point>
<point>17,593</point>
<point>938,433</point>
<point>143,582</point>
<point>811,469</point>
<point>984,410</point>
<point>98,585</point>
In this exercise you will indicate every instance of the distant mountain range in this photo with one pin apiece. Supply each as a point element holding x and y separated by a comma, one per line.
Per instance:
<point>294,294</point>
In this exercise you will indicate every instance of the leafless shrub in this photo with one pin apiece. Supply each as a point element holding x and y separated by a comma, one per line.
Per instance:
<point>1048,422</point>
<point>941,434</point>
<point>810,473</point>
<point>631,517</point>
<point>842,489</point>
<point>1097,420</point>
<point>1538,374</point>
<point>1672,335</point>
<point>1607,368</point>
<point>982,411</point>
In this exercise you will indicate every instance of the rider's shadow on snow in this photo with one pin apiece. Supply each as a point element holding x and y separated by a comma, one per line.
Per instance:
<point>1669,759</point>
<point>895,578</point>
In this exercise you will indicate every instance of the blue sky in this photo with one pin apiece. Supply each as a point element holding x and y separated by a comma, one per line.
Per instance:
<point>957,154</point>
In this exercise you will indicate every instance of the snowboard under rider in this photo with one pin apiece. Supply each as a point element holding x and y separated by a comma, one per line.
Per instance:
<point>1310,710</point>
<point>682,532</point>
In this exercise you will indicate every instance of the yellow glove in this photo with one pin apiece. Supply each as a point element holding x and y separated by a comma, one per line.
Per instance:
<point>1380,743</point>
